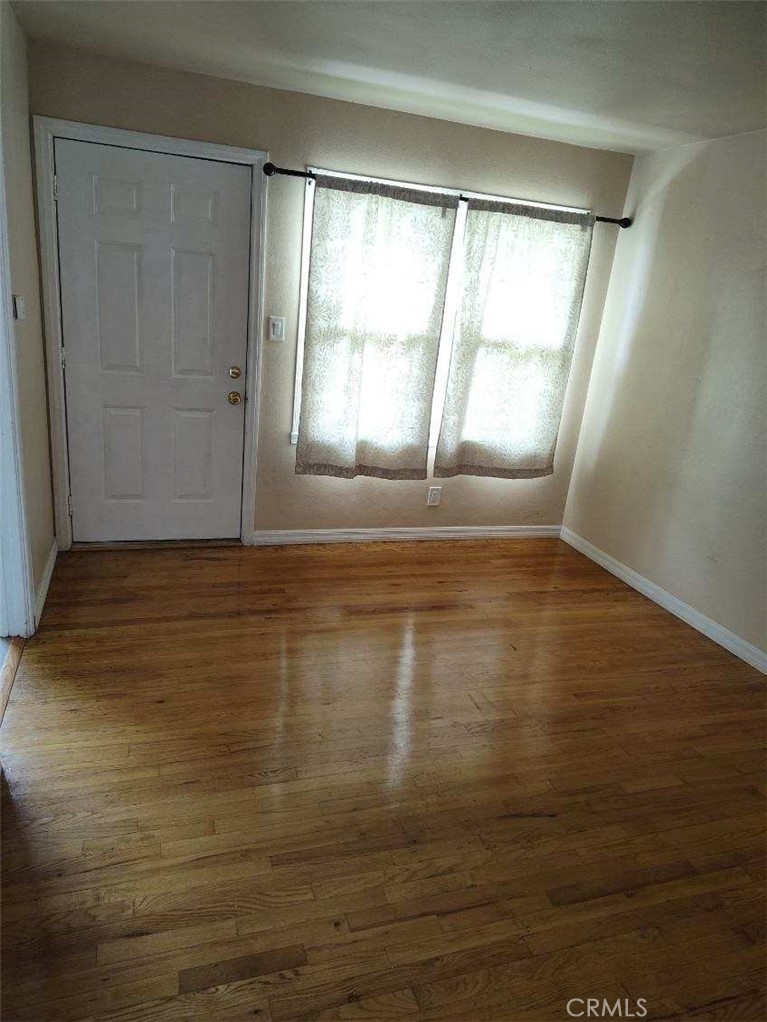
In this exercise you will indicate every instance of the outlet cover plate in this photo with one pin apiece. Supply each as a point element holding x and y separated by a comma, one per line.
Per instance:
<point>276,328</point>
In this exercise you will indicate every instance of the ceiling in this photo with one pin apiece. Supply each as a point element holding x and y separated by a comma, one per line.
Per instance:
<point>614,74</point>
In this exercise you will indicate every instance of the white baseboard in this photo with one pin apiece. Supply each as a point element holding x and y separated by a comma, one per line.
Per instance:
<point>276,537</point>
<point>45,581</point>
<point>723,636</point>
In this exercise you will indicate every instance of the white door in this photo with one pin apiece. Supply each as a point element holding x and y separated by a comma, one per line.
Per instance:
<point>154,263</point>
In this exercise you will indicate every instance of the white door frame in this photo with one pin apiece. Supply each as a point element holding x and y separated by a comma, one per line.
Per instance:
<point>17,587</point>
<point>46,131</point>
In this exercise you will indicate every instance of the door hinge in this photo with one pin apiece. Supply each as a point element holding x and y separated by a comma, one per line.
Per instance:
<point>55,188</point>
<point>69,505</point>
<point>63,358</point>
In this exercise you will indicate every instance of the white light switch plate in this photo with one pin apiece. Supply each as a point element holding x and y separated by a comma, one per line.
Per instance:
<point>434,496</point>
<point>276,331</point>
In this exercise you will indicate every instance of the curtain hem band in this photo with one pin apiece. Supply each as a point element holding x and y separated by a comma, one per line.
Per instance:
<point>583,218</point>
<point>359,470</point>
<point>398,192</point>
<point>447,472</point>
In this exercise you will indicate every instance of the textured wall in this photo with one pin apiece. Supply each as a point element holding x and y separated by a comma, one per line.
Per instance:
<point>298,130</point>
<point>670,472</point>
<point>25,281</point>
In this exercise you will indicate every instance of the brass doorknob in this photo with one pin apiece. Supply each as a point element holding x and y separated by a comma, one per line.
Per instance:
<point>234,372</point>
<point>233,397</point>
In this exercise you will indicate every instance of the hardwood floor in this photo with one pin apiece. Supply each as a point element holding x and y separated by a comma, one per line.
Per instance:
<point>427,781</point>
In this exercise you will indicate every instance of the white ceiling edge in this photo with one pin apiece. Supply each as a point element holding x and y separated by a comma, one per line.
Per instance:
<point>462,105</point>
<point>412,95</point>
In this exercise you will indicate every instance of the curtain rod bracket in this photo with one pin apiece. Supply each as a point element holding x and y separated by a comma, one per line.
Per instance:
<point>270,170</point>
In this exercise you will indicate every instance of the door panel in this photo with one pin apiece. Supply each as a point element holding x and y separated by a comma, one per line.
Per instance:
<point>123,454</point>
<point>193,454</point>
<point>154,263</point>
<point>118,271</point>
<point>192,278</point>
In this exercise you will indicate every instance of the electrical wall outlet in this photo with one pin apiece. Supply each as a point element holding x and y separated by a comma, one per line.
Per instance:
<point>434,496</point>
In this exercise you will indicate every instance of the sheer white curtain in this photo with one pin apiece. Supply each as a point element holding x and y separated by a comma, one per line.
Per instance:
<point>523,278</point>
<point>377,276</point>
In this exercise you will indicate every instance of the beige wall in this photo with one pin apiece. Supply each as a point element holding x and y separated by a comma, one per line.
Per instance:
<point>298,130</point>
<point>670,472</point>
<point>14,119</point>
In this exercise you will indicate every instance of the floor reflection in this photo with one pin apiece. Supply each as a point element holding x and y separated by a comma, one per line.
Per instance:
<point>401,710</point>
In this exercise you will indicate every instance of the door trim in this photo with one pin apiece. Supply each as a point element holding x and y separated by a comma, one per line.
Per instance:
<point>17,587</point>
<point>46,131</point>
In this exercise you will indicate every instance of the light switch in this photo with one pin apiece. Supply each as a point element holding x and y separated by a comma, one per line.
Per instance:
<point>19,308</point>
<point>276,330</point>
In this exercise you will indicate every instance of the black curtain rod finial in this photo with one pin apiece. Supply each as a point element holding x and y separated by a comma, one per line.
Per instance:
<point>622,222</point>
<point>269,169</point>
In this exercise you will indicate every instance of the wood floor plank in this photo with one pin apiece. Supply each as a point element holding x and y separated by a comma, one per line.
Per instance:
<point>124,948</point>
<point>428,781</point>
<point>259,964</point>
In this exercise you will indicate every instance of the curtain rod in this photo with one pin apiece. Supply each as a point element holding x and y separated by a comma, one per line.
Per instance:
<point>270,169</point>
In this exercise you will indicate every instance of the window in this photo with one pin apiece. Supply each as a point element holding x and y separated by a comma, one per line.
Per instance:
<point>399,292</point>
<point>523,280</point>
<point>376,294</point>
